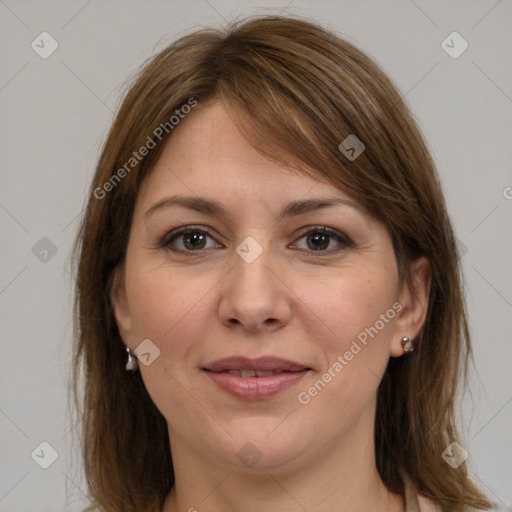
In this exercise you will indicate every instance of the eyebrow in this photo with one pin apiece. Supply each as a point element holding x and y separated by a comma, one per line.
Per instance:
<point>212,207</point>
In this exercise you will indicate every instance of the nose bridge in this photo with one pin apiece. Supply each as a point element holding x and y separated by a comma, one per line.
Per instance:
<point>253,263</point>
<point>253,294</point>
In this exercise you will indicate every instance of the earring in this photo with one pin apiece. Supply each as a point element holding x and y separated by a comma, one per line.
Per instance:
<point>407,344</point>
<point>132,364</point>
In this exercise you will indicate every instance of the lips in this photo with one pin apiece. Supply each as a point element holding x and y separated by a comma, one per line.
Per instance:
<point>251,373</point>
<point>262,364</point>
<point>255,379</point>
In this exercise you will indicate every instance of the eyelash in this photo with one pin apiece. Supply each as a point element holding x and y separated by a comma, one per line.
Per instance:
<point>342,239</point>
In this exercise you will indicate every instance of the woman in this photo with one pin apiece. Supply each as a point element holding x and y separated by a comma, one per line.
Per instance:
<point>268,305</point>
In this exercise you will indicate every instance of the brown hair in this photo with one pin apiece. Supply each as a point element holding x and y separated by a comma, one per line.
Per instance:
<point>295,90</point>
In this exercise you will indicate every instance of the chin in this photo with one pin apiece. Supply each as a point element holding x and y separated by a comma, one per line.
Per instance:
<point>264,445</point>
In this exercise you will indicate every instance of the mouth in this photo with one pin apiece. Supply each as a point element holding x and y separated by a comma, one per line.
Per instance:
<point>251,373</point>
<point>255,379</point>
<point>261,364</point>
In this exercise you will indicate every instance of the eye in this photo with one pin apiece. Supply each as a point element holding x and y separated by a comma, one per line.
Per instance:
<point>193,239</point>
<point>188,239</point>
<point>319,239</point>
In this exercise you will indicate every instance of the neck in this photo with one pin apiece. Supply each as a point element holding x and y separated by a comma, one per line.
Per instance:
<point>342,477</point>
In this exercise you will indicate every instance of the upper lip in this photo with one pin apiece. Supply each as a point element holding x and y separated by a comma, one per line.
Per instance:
<point>262,364</point>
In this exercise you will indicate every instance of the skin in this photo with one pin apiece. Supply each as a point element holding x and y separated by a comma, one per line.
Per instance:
<point>293,302</point>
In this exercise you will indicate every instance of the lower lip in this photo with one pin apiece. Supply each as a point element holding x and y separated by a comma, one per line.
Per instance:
<point>256,388</point>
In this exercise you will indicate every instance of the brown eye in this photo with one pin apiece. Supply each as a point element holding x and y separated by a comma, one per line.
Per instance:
<point>188,240</point>
<point>318,241</point>
<point>322,240</point>
<point>194,240</point>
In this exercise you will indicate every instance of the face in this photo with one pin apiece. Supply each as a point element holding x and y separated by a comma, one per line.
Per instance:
<point>257,268</point>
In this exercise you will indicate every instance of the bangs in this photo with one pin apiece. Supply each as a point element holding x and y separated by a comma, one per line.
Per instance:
<point>295,106</point>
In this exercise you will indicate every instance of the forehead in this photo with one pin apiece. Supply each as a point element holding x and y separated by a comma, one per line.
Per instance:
<point>206,155</point>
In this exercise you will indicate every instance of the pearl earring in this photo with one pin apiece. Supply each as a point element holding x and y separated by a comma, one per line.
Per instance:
<point>407,344</point>
<point>132,365</point>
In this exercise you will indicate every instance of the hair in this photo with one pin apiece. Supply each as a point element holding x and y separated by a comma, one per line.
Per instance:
<point>295,90</point>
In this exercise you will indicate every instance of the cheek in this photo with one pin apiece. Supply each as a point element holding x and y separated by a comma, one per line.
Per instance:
<point>164,305</point>
<point>356,329</point>
<point>170,310</point>
<point>351,306</point>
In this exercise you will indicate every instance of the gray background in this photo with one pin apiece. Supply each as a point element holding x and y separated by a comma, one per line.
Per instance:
<point>55,113</point>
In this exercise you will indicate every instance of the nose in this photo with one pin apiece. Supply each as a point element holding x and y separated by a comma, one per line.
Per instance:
<point>254,294</point>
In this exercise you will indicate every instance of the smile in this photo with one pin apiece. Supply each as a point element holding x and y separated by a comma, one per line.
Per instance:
<point>255,379</point>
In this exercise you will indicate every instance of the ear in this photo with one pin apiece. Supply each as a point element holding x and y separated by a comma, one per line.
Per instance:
<point>119,302</point>
<point>414,300</point>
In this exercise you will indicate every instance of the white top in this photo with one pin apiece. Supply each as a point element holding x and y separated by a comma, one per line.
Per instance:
<point>415,502</point>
